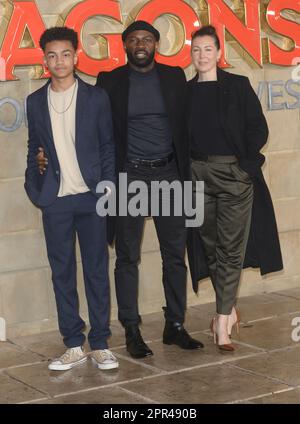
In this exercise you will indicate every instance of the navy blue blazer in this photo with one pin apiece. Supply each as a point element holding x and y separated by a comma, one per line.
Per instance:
<point>94,142</point>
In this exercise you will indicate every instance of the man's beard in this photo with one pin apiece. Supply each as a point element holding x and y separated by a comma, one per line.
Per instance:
<point>141,63</point>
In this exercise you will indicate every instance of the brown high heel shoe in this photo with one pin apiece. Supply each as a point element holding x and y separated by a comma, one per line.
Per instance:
<point>236,324</point>
<point>224,347</point>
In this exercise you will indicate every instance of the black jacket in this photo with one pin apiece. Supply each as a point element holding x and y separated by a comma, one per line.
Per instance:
<point>246,131</point>
<point>173,86</point>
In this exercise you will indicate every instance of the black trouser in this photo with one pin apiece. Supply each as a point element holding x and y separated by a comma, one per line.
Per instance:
<point>171,234</point>
<point>228,196</point>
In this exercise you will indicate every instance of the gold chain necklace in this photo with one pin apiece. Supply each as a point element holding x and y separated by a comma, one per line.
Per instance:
<point>68,107</point>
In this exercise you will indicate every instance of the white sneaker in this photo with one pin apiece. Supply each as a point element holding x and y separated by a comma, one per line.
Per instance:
<point>71,358</point>
<point>104,359</point>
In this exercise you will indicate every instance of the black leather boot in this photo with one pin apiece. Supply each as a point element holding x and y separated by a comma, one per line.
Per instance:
<point>175,333</point>
<point>135,343</point>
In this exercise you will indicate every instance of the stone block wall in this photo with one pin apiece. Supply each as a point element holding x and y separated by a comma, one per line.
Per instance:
<point>26,295</point>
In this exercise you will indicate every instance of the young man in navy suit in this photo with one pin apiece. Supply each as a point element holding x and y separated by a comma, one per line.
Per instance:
<point>71,121</point>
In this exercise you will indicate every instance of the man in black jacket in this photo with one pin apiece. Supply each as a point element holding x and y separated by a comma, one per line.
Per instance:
<point>148,118</point>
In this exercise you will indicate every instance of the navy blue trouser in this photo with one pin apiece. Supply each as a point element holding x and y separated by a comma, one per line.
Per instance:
<point>67,216</point>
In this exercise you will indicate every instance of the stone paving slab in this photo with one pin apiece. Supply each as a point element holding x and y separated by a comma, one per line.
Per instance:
<point>213,384</point>
<point>269,333</point>
<point>292,396</point>
<point>82,377</point>
<point>283,365</point>
<point>12,355</point>
<point>14,391</point>
<point>109,395</point>
<point>48,344</point>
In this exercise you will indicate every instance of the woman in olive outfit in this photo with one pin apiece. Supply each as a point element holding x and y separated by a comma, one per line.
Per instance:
<point>227,129</point>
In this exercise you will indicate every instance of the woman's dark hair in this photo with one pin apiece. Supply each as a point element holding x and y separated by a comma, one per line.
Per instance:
<point>59,34</point>
<point>207,30</point>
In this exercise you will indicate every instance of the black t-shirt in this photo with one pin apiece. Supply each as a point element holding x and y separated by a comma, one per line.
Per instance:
<point>149,133</point>
<point>207,133</point>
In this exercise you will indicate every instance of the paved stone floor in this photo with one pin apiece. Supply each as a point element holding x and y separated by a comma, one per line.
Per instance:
<point>264,369</point>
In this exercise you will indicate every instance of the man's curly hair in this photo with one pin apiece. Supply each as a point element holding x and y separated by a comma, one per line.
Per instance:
<point>59,34</point>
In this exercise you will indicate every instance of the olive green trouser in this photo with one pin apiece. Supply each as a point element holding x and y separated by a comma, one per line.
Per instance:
<point>228,197</point>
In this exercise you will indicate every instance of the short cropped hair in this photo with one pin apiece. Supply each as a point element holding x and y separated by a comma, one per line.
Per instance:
<point>207,30</point>
<point>59,34</point>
